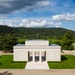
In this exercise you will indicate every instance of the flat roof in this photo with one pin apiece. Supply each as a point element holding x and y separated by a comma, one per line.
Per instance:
<point>22,46</point>
<point>38,45</point>
<point>54,45</point>
<point>37,40</point>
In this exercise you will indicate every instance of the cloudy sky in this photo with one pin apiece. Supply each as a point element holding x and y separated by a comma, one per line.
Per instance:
<point>38,13</point>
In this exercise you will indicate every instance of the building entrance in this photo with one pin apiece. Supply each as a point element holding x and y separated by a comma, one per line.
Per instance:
<point>37,56</point>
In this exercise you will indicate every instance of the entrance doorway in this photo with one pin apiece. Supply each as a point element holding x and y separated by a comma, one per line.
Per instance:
<point>30,57</point>
<point>44,56</point>
<point>36,56</point>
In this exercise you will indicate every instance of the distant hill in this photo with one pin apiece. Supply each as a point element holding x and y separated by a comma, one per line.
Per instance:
<point>5,30</point>
<point>32,32</point>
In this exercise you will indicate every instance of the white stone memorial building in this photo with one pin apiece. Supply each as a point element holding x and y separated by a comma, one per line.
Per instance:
<point>37,50</point>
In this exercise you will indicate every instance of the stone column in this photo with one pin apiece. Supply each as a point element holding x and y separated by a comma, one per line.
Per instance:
<point>33,57</point>
<point>40,56</point>
<point>45,55</point>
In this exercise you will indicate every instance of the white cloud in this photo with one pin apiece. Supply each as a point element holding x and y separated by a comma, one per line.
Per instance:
<point>64,17</point>
<point>42,3</point>
<point>38,23</point>
<point>30,23</point>
<point>9,6</point>
<point>6,23</point>
<point>11,22</point>
<point>3,16</point>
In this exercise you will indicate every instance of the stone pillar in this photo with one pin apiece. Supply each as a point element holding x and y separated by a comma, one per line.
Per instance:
<point>45,55</point>
<point>33,57</point>
<point>40,56</point>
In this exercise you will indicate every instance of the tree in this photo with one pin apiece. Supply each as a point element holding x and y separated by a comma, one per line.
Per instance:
<point>1,41</point>
<point>7,42</point>
<point>68,41</point>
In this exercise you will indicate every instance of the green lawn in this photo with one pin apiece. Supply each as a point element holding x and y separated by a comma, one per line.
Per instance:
<point>67,62</point>
<point>6,62</point>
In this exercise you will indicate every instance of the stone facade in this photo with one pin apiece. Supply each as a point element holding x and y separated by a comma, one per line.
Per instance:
<point>37,50</point>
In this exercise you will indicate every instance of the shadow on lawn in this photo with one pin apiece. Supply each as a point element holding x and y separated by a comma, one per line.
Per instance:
<point>0,63</point>
<point>63,58</point>
<point>6,73</point>
<point>18,61</point>
<point>0,57</point>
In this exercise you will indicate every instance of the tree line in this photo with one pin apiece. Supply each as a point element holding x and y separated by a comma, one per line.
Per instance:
<point>31,33</point>
<point>9,36</point>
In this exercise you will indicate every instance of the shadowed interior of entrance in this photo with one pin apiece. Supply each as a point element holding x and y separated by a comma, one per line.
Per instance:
<point>36,56</point>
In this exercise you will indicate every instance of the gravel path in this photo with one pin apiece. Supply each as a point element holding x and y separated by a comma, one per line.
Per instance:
<point>66,52</point>
<point>37,72</point>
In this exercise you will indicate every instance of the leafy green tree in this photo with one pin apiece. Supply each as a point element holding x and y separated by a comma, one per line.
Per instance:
<point>7,42</point>
<point>68,41</point>
<point>1,41</point>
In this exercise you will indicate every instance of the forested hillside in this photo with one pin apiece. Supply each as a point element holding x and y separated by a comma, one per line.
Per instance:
<point>5,30</point>
<point>31,33</point>
<point>10,36</point>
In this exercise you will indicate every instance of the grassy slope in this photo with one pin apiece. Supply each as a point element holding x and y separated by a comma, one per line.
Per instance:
<point>6,62</point>
<point>68,62</point>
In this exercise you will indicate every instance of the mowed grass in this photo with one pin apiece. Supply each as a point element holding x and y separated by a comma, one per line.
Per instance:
<point>6,62</point>
<point>67,62</point>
